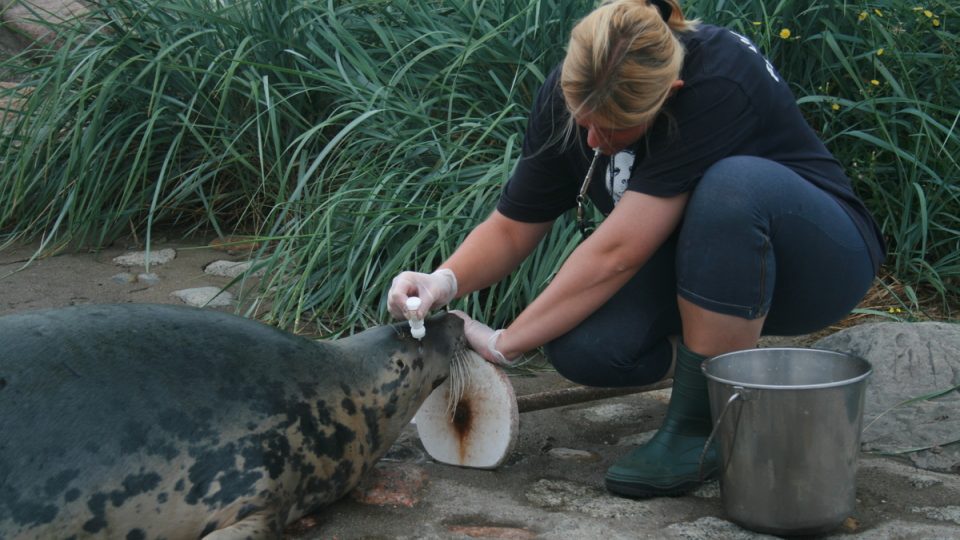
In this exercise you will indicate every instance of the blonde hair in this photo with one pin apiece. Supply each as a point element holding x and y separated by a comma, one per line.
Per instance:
<point>622,59</point>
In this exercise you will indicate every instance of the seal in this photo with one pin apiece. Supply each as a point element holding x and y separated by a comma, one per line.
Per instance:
<point>154,421</point>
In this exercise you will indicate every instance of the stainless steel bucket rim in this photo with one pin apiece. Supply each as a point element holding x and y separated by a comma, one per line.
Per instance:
<point>757,386</point>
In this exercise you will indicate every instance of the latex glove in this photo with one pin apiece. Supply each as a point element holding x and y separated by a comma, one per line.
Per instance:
<point>482,339</point>
<point>434,290</point>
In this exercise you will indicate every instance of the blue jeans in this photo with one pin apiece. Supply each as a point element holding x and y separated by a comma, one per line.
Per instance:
<point>756,240</point>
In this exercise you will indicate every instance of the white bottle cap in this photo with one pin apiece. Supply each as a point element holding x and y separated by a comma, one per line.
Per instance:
<point>417,329</point>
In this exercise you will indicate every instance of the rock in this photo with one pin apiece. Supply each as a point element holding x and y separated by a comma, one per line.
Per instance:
<point>391,485</point>
<point>946,513</point>
<point>565,496</point>
<point>140,258</point>
<point>637,439</point>
<point>204,297</point>
<point>909,360</point>
<point>12,101</point>
<point>616,413</point>
<point>487,531</point>
<point>230,269</point>
<point>921,482</point>
<point>123,278</point>
<point>572,454</point>
<point>707,490</point>
<point>900,530</point>
<point>709,528</point>
<point>148,279</point>
<point>26,16</point>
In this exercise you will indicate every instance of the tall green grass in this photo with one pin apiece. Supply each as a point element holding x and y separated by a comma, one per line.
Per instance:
<point>881,82</point>
<point>361,138</point>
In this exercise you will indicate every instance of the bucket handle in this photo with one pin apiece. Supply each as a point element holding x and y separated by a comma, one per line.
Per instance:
<point>740,393</point>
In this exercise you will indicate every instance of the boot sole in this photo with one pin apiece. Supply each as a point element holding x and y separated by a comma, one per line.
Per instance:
<point>640,490</point>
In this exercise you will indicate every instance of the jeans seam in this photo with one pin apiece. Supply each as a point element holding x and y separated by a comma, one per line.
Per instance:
<point>763,275</point>
<point>688,292</point>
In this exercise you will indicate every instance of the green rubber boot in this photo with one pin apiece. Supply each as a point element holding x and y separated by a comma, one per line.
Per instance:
<point>669,464</point>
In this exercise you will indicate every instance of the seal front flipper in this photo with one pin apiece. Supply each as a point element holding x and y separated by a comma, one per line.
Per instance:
<point>260,525</point>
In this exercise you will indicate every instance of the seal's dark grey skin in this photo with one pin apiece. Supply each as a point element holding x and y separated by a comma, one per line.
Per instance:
<point>150,421</point>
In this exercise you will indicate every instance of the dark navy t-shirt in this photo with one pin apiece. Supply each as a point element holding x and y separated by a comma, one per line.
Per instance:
<point>733,102</point>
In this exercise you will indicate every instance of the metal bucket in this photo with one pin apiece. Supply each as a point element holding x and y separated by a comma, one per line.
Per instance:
<point>788,424</point>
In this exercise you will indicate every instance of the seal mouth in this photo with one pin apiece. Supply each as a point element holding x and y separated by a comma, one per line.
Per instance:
<point>437,382</point>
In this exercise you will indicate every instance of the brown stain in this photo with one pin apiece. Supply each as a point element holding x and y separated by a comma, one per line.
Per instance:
<point>463,426</point>
<point>488,531</point>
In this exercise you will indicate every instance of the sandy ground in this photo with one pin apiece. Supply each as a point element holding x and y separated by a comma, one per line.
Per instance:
<point>86,277</point>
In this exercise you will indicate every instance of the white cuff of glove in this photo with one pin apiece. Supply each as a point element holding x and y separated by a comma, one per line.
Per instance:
<point>492,347</point>
<point>451,279</point>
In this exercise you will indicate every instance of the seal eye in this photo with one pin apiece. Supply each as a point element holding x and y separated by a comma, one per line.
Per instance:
<point>400,364</point>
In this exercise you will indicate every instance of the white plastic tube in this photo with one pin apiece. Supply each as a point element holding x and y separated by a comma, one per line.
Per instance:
<point>417,329</point>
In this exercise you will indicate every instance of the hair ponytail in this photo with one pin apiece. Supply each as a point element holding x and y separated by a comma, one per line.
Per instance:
<point>673,15</point>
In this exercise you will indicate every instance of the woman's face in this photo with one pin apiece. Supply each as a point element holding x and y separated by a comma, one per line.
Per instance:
<point>609,140</point>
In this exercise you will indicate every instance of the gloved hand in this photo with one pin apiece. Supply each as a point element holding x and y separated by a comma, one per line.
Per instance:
<point>482,339</point>
<point>434,290</point>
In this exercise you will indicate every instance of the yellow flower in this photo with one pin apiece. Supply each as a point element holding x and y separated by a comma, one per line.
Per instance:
<point>918,8</point>
<point>785,33</point>
<point>880,51</point>
<point>878,12</point>
<point>936,22</point>
<point>863,15</point>
<point>757,23</point>
<point>928,13</point>
<point>835,106</point>
<point>894,310</point>
<point>874,82</point>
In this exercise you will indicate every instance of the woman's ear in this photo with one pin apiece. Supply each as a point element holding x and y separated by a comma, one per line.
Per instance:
<point>675,86</point>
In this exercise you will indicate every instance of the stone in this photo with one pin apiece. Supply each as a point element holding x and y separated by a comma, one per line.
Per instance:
<point>123,278</point>
<point>230,269</point>
<point>637,439</point>
<point>149,279</point>
<point>710,528</point>
<point>204,297</point>
<point>26,16</point>
<point>920,481</point>
<point>909,360</point>
<point>12,101</point>
<point>614,413</point>
<point>900,530</point>
<point>707,490</point>
<point>140,258</point>
<point>946,513</point>
<point>396,484</point>
<point>572,454</point>
<point>504,533</point>
<point>566,496</point>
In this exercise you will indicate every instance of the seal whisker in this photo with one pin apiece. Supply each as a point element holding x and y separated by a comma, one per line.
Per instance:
<point>459,380</point>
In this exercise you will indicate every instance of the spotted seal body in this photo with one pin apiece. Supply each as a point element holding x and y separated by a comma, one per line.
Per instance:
<point>149,421</point>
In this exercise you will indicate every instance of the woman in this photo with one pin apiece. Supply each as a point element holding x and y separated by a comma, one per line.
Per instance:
<point>726,218</point>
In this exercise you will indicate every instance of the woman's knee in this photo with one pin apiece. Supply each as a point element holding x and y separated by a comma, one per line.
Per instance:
<point>580,358</point>
<point>571,360</point>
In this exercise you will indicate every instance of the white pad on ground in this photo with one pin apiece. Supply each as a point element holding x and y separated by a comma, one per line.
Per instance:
<point>482,430</point>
